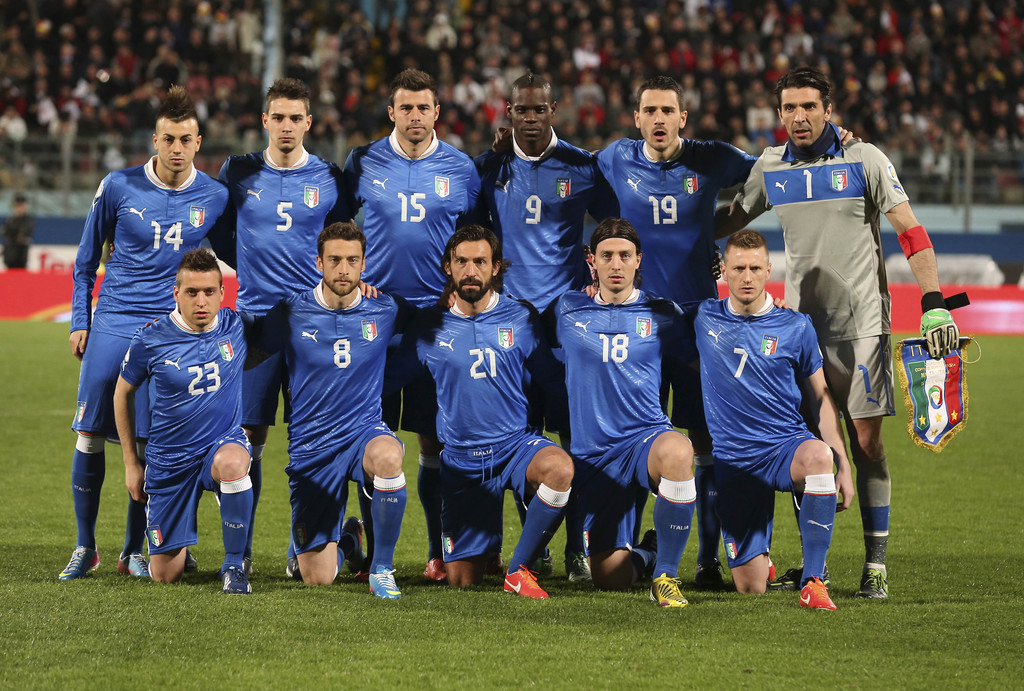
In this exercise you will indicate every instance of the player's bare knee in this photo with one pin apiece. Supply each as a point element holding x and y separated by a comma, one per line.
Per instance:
<point>559,473</point>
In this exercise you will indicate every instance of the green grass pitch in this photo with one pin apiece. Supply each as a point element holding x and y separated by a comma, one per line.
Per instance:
<point>956,561</point>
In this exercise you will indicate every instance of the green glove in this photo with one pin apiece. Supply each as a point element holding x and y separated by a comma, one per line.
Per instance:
<point>940,332</point>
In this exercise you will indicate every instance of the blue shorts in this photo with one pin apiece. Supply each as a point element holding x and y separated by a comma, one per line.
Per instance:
<point>174,493</point>
<point>261,387</point>
<point>473,484</point>
<point>687,398</point>
<point>101,366</point>
<point>606,488</point>
<point>746,498</point>
<point>318,488</point>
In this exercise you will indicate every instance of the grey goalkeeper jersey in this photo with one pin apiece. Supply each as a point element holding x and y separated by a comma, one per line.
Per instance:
<point>829,209</point>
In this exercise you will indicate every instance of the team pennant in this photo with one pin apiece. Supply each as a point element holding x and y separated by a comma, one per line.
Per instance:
<point>935,392</point>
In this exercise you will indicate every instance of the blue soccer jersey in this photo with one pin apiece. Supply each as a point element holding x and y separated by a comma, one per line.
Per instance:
<point>479,363</point>
<point>411,206</point>
<point>613,357</point>
<point>537,208</point>
<point>335,361</point>
<point>150,227</point>
<point>275,216</point>
<point>750,368</point>
<point>672,206</point>
<point>195,384</point>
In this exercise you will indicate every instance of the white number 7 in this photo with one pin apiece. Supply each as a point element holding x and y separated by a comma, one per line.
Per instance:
<point>743,361</point>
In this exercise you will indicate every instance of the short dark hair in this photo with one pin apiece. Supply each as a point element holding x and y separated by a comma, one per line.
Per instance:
<point>660,83</point>
<point>177,106</point>
<point>200,261</point>
<point>290,89</point>
<point>412,80</point>
<point>746,239</point>
<point>805,77</point>
<point>531,81</point>
<point>616,228</point>
<point>473,233</point>
<point>342,230</point>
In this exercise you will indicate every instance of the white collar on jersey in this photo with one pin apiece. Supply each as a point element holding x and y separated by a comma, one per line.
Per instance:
<point>491,304</point>
<point>677,154</point>
<point>547,150</point>
<point>393,139</point>
<point>769,305</point>
<point>179,321</point>
<point>303,160</point>
<point>633,297</point>
<point>318,293</point>
<point>150,169</point>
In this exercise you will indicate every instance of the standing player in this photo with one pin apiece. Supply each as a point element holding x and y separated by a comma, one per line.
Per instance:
<point>754,359</point>
<point>281,198</point>
<point>538,194</point>
<point>415,190</point>
<point>667,188</point>
<point>334,343</point>
<point>193,362</point>
<point>151,214</point>
<point>835,273</point>
<point>614,345</point>
<point>478,351</point>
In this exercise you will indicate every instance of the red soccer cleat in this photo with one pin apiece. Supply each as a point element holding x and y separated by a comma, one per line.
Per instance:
<point>524,584</point>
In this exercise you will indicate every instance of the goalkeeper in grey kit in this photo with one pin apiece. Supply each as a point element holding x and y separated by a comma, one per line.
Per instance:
<point>829,199</point>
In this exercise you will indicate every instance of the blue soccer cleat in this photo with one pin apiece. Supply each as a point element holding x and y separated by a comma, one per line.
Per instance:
<point>135,564</point>
<point>235,581</point>
<point>382,584</point>
<point>83,560</point>
<point>357,560</point>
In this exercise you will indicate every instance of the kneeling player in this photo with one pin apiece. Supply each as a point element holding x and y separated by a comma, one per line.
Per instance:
<point>754,359</point>
<point>334,342</point>
<point>614,343</point>
<point>193,361</point>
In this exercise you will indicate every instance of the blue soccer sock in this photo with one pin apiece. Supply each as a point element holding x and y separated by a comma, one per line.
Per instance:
<point>366,511</point>
<point>389,499</point>
<point>709,528</point>
<point>256,476</point>
<point>817,519</point>
<point>673,516</point>
<point>573,527</point>
<point>873,494</point>
<point>428,486</point>
<point>542,517</point>
<point>87,473</point>
<point>236,502</point>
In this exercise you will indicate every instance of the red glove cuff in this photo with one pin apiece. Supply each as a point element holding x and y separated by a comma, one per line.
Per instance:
<point>913,240</point>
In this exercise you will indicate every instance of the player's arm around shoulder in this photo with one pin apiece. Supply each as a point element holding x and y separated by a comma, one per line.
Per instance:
<point>748,203</point>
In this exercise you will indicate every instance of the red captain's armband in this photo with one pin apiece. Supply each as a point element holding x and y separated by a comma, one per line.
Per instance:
<point>913,240</point>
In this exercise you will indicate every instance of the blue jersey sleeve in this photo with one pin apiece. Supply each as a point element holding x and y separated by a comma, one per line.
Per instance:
<point>135,366</point>
<point>810,351</point>
<point>222,236</point>
<point>99,227</point>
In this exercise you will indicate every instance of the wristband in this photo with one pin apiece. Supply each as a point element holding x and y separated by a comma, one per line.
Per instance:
<point>932,301</point>
<point>913,240</point>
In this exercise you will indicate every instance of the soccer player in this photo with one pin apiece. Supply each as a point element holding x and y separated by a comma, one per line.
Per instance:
<point>622,440</point>
<point>667,188</point>
<point>151,214</point>
<point>537,194</point>
<point>414,190</point>
<point>281,198</point>
<point>478,352</point>
<point>754,360</point>
<point>334,342</point>
<point>835,274</point>
<point>193,362</point>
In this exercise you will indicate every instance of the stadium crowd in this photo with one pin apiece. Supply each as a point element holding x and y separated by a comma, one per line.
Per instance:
<point>908,74</point>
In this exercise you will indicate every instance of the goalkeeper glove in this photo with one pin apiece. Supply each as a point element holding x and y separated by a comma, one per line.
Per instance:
<point>938,329</point>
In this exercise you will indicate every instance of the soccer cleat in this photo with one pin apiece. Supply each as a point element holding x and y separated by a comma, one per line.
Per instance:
<point>545,566</point>
<point>873,585</point>
<point>494,566</point>
<point>357,559</point>
<point>435,571</point>
<point>382,584</point>
<point>291,569</point>
<point>709,577</point>
<point>524,584</point>
<point>665,591</point>
<point>577,567</point>
<point>815,596</point>
<point>771,570</point>
<point>135,564</point>
<point>362,577</point>
<point>235,581</point>
<point>83,560</point>
<point>649,544</point>
<point>192,566</point>
<point>791,579</point>
<point>247,566</point>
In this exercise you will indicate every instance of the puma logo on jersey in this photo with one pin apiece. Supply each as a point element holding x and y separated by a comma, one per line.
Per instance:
<point>173,362</point>
<point>306,334</point>
<point>633,183</point>
<point>448,345</point>
<point>255,194</point>
<point>782,185</point>
<point>582,326</point>
<point>500,184</point>
<point>381,183</point>
<point>133,210</point>
<point>714,335</point>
